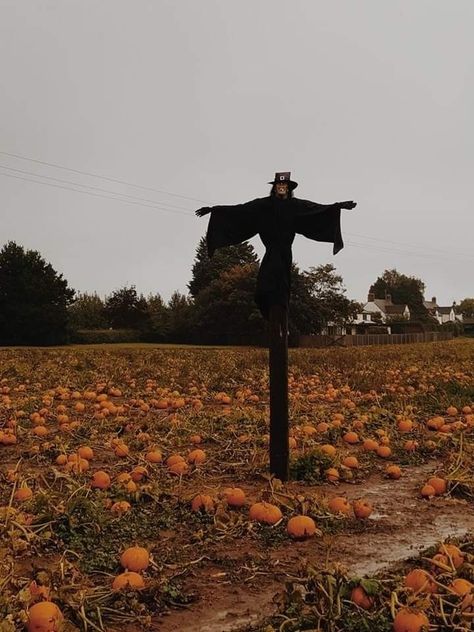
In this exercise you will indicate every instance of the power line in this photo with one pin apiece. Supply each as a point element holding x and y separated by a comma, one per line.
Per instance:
<point>148,203</point>
<point>88,186</point>
<point>397,243</point>
<point>94,175</point>
<point>106,197</point>
<point>387,250</point>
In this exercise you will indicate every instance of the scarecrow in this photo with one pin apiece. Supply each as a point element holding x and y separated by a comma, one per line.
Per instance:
<point>276,219</point>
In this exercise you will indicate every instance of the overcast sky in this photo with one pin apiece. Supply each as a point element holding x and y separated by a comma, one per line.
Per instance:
<point>359,99</point>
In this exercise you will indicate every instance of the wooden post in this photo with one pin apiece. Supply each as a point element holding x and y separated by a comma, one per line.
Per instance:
<point>279,449</point>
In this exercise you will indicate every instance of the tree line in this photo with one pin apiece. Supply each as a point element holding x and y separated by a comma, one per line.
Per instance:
<point>37,307</point>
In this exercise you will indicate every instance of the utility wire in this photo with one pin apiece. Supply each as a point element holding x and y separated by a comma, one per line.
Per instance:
<point>94,175</point>
<point>106,197</point>
<point>424,255</point>
<point>174,211</point>
<point>397,243</point>
<point>88,186</point>
<point>148,203</point>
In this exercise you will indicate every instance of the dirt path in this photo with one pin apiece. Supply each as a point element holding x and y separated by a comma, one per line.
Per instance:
<point>402,525</point>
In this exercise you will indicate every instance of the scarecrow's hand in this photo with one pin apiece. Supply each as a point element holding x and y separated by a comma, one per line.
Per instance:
<point>203,211</point>
<point>348,205</point>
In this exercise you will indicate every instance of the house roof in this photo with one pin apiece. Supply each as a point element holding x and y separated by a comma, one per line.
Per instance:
<point>388,307</point>
<point>430,305</point>
<point>395,309</point>
<point>445,310</point>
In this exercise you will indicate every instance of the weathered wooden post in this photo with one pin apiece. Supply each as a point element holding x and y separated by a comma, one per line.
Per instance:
<point>276,218</point>
<point>279,428</point>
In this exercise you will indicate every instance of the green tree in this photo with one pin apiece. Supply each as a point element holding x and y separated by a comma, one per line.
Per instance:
<point>33,299</point>
<point>124,309</point>
<point>206,270</point>
<point>404,290</point>
<point>87,312</point>
<point>318,298</point>
<point>225,311</point>
<point>466,307</point>
<point>157,324</point>
<point>181,318</point>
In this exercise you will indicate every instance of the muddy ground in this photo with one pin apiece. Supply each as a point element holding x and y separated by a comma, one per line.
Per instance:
<point>402,525</point>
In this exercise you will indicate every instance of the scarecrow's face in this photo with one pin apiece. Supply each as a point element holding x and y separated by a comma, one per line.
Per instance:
<point>282,189</point>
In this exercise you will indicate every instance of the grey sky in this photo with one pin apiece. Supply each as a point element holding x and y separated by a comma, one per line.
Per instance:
<point>359,99</point>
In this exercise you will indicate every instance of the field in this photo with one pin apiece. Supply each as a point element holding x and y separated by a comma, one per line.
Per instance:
<point>382,469</point>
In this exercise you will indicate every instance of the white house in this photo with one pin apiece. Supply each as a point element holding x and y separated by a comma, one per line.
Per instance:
<point>442,314</point>
<point>380,310</point>
<point>376,311</point>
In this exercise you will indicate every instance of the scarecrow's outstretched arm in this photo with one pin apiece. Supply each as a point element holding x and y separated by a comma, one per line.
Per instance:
<point>306,207</point>
<point>234,208</point>
<point>231,225</point>
<point>321,222</point>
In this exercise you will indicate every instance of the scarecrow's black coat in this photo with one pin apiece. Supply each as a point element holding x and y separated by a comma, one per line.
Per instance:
<point>276,221</point>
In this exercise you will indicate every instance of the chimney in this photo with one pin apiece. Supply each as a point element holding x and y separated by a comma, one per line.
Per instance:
<point>388,298</point>
<point>370,297</point>
<point>433,300</point>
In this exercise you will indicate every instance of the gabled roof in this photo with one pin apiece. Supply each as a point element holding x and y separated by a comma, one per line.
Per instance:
<point>445,310</point>
<point>395,309</point>
<point>430,305</point>
<point>388,307</point>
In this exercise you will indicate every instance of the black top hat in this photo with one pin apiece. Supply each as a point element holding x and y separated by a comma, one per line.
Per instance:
<point>284,176</point>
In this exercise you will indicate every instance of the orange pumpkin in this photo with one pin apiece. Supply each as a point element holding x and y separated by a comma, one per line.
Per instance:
<point>234,496</point>
<point>384,451</point>
<point>301,527</point>
<point>196,456</point>
<point>420,581</point>
<point>322,427</point>
<point>393,471</point>
<point>405,425</point>
<point>328,449</point>
<point>178,468</point>
<point>440,563</point>
<point>120,507</point>
<point>453,553</point>
<point>351,462</point>
<point>202,502</point>
<point>23,493</point>
<point>438,484</point>
<point>265,512</point>
<point>135,558</point>
<point>44,616</point>
<point>410,620</point>
<point>138,473</point>
<point>351,437</point>
<point>370,445</point>
<point>174,458</point>
<point>85,452</point>
<point>339,504</point>
<point>461,587</point>
<point>128,580</point>
<point>121,450</point>
<point>362,509</point>
<point>154,456</point>
<point>100,480</point>
<point>332,474</point>
<point>361,598</point>
<point>427,491</point>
